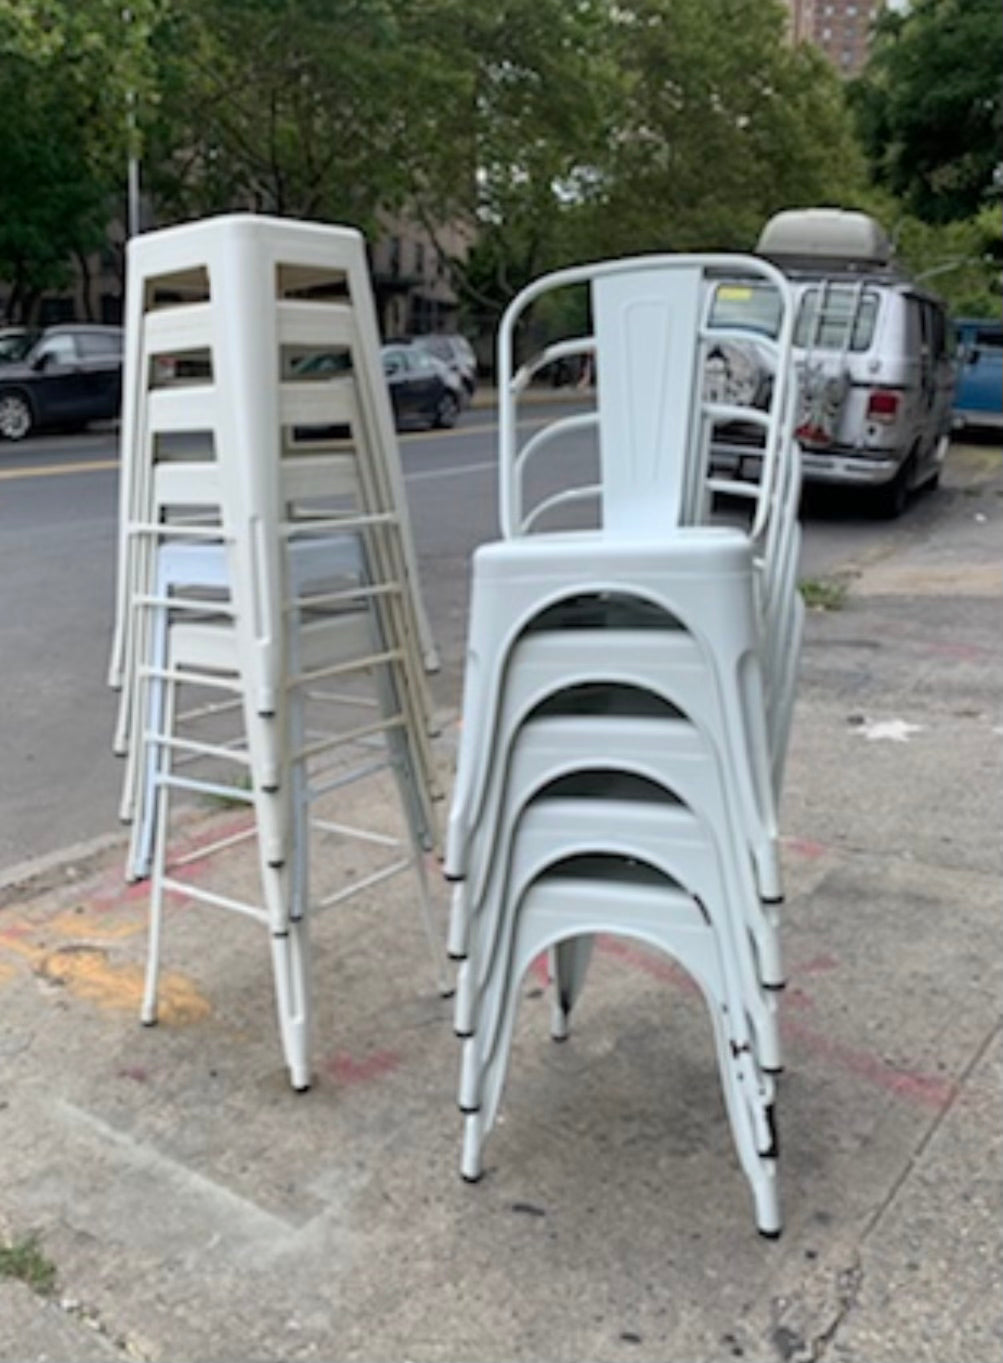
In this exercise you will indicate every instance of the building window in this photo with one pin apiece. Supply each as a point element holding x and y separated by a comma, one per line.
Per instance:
<point>394,266</point>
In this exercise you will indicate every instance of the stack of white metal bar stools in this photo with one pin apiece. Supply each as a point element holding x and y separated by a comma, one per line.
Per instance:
<point>628,687</point>
<point>265,566</point>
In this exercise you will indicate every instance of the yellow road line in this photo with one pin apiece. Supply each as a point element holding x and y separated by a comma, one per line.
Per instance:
<point>55,470</point>
<point>102,465</point>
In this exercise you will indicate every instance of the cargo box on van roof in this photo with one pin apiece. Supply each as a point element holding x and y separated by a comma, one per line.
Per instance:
<point>827,234</point>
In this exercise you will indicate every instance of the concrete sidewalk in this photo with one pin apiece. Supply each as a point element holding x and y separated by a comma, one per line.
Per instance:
<point>194,1208</point>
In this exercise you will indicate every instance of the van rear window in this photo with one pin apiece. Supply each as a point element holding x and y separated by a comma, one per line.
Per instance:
<point>826,315</point>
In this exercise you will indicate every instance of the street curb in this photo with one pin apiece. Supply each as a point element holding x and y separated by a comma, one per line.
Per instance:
<point>19,879</point>
<point>21,875</point>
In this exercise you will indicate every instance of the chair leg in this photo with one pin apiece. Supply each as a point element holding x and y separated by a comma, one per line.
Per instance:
<point>290,959</point>
<point>161,790</point>
<point>433,932</point>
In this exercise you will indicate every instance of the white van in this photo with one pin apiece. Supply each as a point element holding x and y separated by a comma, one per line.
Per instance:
<point>873,350</point>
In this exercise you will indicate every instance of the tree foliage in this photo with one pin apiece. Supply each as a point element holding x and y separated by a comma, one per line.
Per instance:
<point>539,131</point>
<point>929,106</point>
<point>52,207</point>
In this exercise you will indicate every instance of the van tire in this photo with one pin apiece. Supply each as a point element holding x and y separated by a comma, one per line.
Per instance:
<point>891,500</point>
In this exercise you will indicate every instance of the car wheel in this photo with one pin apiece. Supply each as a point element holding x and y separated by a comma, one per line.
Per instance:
<point>447,410</point>
<point>16,416</point>
<point>891,500</point>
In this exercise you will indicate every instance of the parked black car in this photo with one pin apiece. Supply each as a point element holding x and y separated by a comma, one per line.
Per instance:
<point>422,389</point>
<point>72,375</point>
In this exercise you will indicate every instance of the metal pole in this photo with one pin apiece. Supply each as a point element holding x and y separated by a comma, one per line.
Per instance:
<point>132,174</point>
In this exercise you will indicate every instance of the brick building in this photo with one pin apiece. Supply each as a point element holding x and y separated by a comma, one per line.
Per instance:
<point>841,28</point>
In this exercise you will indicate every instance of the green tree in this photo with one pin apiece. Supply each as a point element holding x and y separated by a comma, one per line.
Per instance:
<point>282,106</point>
<point>722,124</point>
<point>613,126</point>
<point>72,72</point>
<point>52,207</point>
<point>929,106</point>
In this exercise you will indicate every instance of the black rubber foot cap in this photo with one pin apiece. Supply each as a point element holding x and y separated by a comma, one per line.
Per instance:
<point>447,993</point>
<point>776,988</point>
<point>454,957</point>
<point>765,899</point>
<point>770,1234</point>
<point>766,1070</point>
<point>152,1022</point>
<point>277,865</point>
<point>469,1111</point>
<point>472,1178</point>
<point>302,1088</point>
<point>451,879</point>
<point>462,1036</point>
<point>559,1040</point>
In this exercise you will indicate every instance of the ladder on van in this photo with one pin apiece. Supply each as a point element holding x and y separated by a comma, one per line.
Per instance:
<point>825,377</point>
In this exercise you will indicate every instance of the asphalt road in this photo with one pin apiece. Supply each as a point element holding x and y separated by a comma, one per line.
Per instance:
<point>57,552</point>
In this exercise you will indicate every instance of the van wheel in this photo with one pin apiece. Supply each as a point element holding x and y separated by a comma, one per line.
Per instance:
<point>891,500</point>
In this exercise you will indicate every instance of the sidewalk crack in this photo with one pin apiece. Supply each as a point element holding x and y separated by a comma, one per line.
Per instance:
<point>958,1087</point>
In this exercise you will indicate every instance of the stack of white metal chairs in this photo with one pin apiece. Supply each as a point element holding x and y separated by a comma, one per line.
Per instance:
<point>629,688</point>
<point>266,573</point>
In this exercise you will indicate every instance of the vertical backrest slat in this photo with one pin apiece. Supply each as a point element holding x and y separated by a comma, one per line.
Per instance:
<point>647,324</point>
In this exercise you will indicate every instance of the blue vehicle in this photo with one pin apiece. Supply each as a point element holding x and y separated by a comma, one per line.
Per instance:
<point>978,397</point>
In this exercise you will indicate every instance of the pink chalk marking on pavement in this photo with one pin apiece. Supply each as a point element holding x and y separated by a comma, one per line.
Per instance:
<point>962,652</point>
<point>816,965</point>
<point>540,970</point>
<point>926,1090</point>
<point>13,932</point>
<point>658,967</point>
<point>805,847</point>
<point>345,1069</point>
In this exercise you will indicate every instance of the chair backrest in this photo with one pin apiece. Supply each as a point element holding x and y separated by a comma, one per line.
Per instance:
<point>654,328</point>
<point>647,323</point>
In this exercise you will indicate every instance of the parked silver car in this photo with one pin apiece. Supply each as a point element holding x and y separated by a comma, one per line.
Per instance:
<point>873,351</point>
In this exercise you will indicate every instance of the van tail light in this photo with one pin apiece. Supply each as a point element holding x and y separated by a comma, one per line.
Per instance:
<point>883,405</point>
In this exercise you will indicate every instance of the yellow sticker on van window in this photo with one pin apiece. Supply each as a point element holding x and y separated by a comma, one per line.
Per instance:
<point>734,293</point>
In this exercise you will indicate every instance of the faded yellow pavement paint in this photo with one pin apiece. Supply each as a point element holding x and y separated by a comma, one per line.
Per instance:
<point>90,975</point>
<point>85,970</point>
<point>949,579</point>
<point>74,923</point>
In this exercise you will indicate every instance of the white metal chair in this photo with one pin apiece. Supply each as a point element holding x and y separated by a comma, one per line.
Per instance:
<point>206,655</point>
<point>672,756</point>
<point>578,901</point>
<point>236,291</point>
<point>239,484</point>
<point>657,601</point>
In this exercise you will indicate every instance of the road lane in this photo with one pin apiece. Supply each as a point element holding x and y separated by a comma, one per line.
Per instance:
<point>57,552</point>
